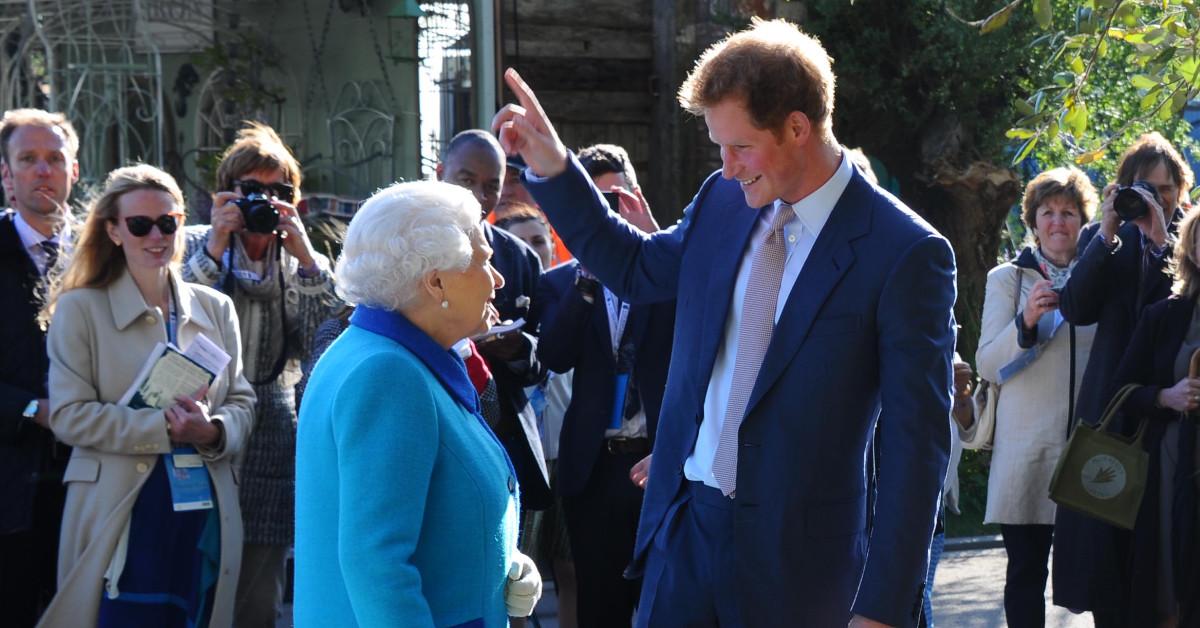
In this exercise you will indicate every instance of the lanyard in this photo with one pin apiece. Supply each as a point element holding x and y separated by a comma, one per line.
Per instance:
<point>616,322</point>
<point>170,320</point>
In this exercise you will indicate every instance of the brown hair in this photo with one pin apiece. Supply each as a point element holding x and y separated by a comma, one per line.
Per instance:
<point>96,261</point>
<point>17,118</point>
<point>774,67</point>
<point>517,213</point>
<point>1068,182</point>
<point>258,147</point>
<point>1147,152</point>
<point>1183,265</point>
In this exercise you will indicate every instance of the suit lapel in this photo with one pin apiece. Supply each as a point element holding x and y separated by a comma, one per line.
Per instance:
<point>830,259</point>
<point>12,248</point>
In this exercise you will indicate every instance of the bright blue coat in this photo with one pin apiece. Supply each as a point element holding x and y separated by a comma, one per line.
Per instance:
<point>406,506</point>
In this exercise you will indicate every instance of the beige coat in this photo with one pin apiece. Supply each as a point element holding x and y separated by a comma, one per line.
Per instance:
<point>98,341</point>
<point>1031,412</point>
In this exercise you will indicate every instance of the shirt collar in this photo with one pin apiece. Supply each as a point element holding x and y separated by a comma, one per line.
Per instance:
<point>814,210</point>
<point>30,237</point>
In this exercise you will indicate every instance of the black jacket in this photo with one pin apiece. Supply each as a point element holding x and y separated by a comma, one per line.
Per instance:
<point>1150,361</point>
<point>575,335</point>
<point>30,459</point>
<point>517,429</point>
<point>1110,290</point>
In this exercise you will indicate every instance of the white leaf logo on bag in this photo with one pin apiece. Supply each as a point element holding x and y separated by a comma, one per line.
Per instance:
<point>1103,476</point>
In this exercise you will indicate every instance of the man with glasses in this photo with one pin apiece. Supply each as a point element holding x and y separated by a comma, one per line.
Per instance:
<point>38,168</point>
<point>257,251</point>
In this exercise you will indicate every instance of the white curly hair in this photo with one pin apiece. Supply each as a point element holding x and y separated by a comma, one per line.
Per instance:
<point>401,233</point>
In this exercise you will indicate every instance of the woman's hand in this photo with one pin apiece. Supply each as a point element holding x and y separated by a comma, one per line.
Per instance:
<point>640,472</point>
<point>1184,396</point>
<point>226,220</point>
<point>1042,298</point>
<point>188,421</point>
<point>295,236</point>
<point>524,586</point>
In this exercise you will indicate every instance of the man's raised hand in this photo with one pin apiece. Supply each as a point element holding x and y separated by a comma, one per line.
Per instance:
<point>524,129</point>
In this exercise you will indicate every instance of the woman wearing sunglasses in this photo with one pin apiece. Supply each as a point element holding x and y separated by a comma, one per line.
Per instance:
<point>283,291</point>
<point>128,556</point>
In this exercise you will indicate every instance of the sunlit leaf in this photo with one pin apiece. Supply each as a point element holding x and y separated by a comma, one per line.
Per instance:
<point>1026,148</point>
<point>1020,134</point>
<point>1043,13</point>
<point>1089,157</point>
<point>1141,81</point>
<point>997,19</point>
<point>1076,118</point>
<point>1076,65</point>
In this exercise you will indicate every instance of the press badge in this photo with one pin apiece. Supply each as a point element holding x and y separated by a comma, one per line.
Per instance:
<point>190,488</point>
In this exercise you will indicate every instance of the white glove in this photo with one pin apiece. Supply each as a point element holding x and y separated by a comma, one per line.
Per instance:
<point>524,586</point>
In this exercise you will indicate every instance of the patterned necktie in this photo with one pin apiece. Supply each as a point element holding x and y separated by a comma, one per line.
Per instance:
<point>754,335</point>
<point>50,248</point>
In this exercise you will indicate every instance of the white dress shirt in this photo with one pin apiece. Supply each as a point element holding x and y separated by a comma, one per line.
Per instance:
<point>812,212</point>
<point>32,240</point>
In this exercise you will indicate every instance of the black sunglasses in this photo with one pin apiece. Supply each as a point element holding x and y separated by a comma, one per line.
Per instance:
<point>140,226</point>
<point>279,190</point>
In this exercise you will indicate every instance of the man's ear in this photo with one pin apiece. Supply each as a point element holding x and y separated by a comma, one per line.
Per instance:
<point>440,171</point>
<point>798,127</point>
<point>74,170</point>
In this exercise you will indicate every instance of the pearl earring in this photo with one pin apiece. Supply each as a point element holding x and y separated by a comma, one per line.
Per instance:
<point>445,304</point>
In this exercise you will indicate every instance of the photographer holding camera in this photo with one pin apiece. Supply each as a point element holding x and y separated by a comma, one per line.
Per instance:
<point>256,250</point>
<point>1120,272</point>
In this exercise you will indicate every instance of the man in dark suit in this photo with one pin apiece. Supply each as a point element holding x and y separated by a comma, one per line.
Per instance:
<point>620,352</point>
<point>38,170</point>
<point>808,303</point>
<point>473,160</point>
<point>1119,274</point>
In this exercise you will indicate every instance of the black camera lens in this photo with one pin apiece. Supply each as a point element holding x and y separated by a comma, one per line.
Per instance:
<point>258,213</point>
<point>1130,204</point>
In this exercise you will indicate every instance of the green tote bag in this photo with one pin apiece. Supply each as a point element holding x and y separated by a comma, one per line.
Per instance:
<point>1101,474</point>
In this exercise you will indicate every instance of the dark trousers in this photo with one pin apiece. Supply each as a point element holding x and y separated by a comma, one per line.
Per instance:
<point>1028,549</point>
<point>29,561</point>
<point>602,526</point>
<point>689,577</point>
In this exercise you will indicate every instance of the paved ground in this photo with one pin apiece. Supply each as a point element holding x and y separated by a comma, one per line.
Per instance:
<point>968,593</point>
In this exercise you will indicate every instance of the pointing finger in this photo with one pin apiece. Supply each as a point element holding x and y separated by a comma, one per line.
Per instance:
<point>525,96</point>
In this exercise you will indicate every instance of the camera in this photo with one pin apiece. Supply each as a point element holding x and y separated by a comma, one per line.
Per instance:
<point>1129,204</point>
<point>258,212</point>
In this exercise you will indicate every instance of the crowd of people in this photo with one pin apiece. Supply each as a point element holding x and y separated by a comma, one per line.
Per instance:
<point>512,374</point>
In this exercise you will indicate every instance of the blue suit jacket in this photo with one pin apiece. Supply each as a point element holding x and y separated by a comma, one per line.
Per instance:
<point>869,325</point>
<point>575,335</point>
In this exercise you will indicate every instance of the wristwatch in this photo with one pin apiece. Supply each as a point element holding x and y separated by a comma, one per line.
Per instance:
<point>31,409</point>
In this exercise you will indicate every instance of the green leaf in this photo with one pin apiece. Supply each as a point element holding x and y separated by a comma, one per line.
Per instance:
<point>1022,107</point>
<point>997,19</point>
<point>1150,99</point>
<point>1141,81</point>
<point>1178,101</point>
<point>1020,134</point>
<point>1064,79</point>
<point>1076,65</point>
<point>1026,148</point>
<point>1076,118</point>
<point>1043,14</point>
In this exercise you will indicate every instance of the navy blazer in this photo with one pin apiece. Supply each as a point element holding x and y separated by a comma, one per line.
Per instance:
<point>869,325</point>
<point>29,455</point>
<point>575,335</point>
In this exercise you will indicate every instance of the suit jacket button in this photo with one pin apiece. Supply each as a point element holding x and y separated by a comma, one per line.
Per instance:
<point>142,467</point>
<point>512,484</point>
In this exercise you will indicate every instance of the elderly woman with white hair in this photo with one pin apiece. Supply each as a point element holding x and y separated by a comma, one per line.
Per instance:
<point>406,504</point>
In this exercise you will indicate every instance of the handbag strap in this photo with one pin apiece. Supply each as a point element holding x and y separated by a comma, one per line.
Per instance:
<point>1017,292</point>
<point>1115,404</point>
